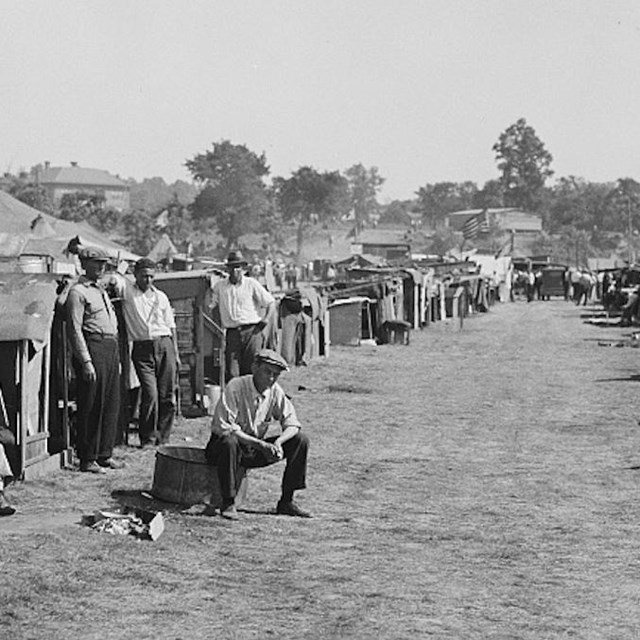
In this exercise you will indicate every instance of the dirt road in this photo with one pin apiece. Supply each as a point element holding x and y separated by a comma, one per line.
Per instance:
<point>476,484</point>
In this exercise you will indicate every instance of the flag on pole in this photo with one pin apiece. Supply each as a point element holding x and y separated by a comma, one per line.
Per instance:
<point>475,225</point>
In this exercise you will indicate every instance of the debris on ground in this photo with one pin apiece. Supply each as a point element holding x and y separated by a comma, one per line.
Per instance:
<point>145,525</point>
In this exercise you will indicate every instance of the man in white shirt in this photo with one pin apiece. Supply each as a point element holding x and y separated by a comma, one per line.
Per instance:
<point>241,434</point>
<point>152,329</point>
<point>246,308</point>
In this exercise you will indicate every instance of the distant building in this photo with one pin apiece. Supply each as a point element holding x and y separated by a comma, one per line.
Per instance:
<point>59,181</point>
<point>506,219</point>
<point>390,244</point>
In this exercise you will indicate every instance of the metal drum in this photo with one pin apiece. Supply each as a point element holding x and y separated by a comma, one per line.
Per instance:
<point>183,475</point>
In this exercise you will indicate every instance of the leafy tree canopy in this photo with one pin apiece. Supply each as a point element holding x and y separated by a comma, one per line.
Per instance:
<point>436,201</point>
<point>524,165</point>
<point>364,185</point>
<point>309,197</point>
<point>233,195</point>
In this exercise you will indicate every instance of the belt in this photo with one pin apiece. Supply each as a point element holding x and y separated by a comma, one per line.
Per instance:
<point>99,336</point>
<point>151,340</point>
<point>242,326</point>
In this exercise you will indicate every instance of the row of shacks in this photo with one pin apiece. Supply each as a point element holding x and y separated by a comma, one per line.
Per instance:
<point>367,303</point>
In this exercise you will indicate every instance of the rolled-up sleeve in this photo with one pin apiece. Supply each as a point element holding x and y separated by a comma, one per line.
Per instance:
<point>226,414</point>
<point>285,412</point>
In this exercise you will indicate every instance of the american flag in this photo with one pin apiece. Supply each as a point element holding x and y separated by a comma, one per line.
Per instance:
<point>475,225</point>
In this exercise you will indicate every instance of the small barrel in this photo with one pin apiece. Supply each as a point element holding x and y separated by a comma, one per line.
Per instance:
<point>182,475</point>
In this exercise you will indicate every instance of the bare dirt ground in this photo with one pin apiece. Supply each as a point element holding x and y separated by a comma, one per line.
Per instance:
<point>480,484</point>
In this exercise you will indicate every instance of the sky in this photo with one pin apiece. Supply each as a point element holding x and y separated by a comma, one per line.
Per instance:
<point>420,89</point>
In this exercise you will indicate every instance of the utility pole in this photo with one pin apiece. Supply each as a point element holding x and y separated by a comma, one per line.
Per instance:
<point>629,230</point>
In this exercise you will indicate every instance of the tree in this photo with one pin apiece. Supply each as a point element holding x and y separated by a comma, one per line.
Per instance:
<point>491,196</point>
<point>577,203</point>
<point>89,207</point>
<point>139,231</point>
<point>364,185</point>
<point>25,189</point>
<point>309,197</point>
<point>436,201</point>
<point>233,195</point>
<point>397,212</point>
<point>442,241</point>
<point>524,165</point>
<point>623,206</point>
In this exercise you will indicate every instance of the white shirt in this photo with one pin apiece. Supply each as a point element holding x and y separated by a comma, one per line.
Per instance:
<point>242,408</point>
<point>240,303</point>
<point>148,314</point>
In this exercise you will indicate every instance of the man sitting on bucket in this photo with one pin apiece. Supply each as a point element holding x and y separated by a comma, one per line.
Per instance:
<point>240,434</point>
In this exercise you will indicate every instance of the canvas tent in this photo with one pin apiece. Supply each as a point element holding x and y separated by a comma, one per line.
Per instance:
<point>35,242</point>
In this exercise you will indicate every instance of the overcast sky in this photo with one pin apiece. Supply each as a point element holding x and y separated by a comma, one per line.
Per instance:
<point>420,89</point>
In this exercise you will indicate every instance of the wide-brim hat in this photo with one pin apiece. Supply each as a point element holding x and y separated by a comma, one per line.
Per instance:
<point>236,258</point>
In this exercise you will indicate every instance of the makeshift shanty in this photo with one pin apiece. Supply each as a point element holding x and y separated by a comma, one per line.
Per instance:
<point>351,321</point>
<point>201,339</point>
<point>303,321</point>
<point>35,242</point>
<point>27,303</point>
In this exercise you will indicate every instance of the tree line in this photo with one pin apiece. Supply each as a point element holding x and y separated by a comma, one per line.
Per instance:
<point>232,194</point>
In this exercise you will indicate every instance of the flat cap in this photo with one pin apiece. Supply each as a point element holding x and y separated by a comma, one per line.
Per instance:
<point>93,253</point>
<point>145,263</point>
<point>269,356</point>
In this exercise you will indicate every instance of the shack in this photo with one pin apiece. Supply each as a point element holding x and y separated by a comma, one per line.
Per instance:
<point>200,335</point>
<point>27,303</point>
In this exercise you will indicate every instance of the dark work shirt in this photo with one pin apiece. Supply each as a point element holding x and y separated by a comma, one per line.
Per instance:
<point>89,310</point>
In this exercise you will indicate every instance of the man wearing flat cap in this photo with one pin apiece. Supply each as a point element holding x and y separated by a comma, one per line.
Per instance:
<point>151,327</point>
<point>241,435</point>
<point>246,308</point>
<point>93,334</point>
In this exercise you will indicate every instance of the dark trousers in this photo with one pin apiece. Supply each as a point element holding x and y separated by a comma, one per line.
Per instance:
<point>228,455</point>
<point>98,401</point>
<point>243,343</point>
<point>155,364</point>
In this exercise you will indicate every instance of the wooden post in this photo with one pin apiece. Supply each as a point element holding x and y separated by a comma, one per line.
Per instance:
<point>459,298</point>
<point>327,333</point>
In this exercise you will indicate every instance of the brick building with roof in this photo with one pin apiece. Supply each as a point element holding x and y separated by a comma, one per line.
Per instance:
<point>59,181</point>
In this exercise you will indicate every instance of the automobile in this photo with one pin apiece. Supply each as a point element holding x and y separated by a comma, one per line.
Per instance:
<point>553,282</point>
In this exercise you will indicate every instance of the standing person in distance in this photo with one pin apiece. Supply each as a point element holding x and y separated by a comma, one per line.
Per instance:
<point>246,308</point>
<point>93,334</point>
<point>152,328</point>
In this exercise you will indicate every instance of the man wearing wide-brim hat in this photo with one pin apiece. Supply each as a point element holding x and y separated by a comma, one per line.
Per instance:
<point>242,434</point>
<point>246,308</point>
<point>93,334</point>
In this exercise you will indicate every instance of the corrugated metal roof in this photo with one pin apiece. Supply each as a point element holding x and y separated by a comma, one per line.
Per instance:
<point>80,176</point>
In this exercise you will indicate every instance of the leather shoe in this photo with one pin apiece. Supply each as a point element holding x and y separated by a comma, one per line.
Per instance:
<point>229,512</point>
<point>110,463</point>
<point>91,467</point>
<point>5,508</point>
<point>291,509</point>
